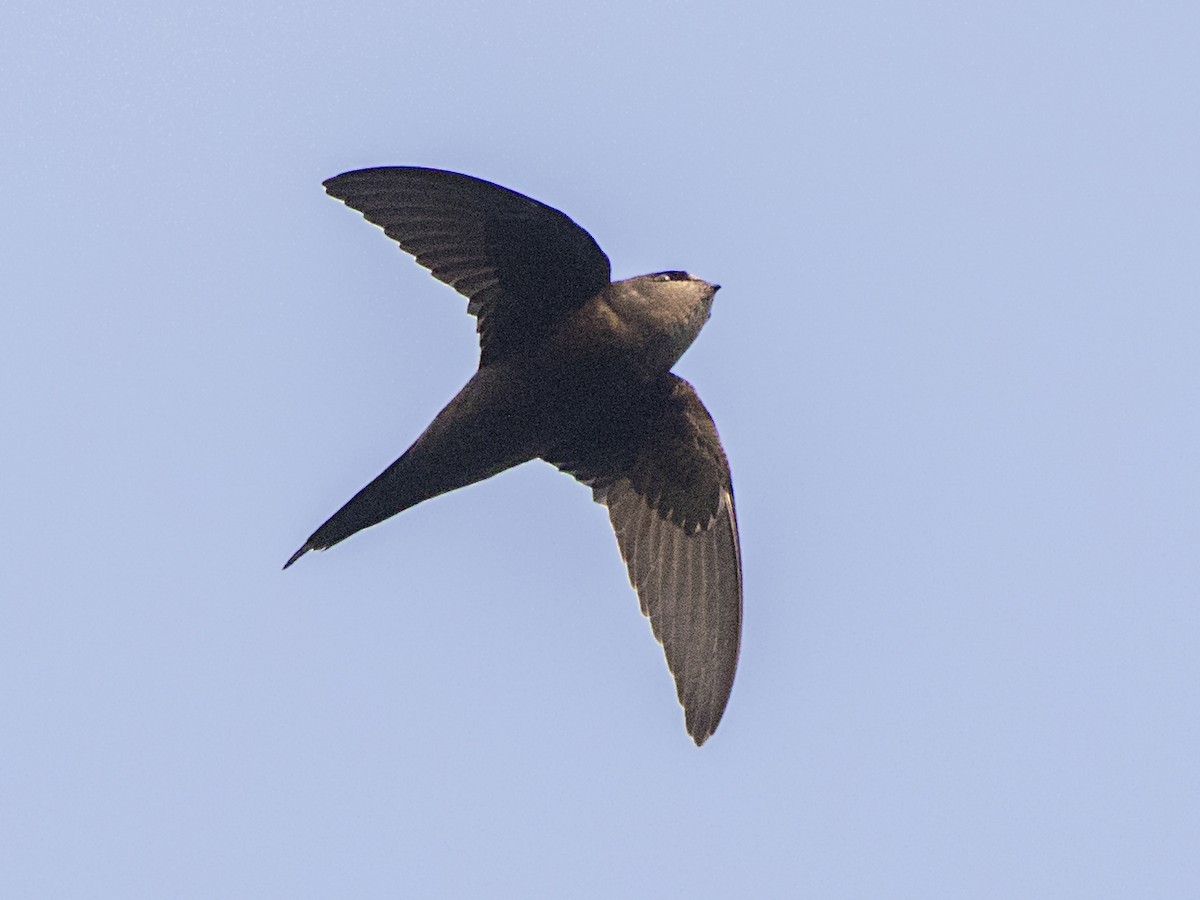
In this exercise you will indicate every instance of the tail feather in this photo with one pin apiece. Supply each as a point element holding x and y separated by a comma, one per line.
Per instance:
<point>484,430</point>
<point>397,488</point>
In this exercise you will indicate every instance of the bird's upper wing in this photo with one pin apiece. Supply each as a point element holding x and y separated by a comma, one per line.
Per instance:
<point>522,264</point>
<point>673,513</point>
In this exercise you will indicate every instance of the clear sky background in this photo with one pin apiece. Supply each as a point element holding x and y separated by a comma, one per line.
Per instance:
<point>954,364</point>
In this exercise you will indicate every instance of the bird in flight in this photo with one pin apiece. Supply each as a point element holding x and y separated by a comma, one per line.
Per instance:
<point>574,369</point>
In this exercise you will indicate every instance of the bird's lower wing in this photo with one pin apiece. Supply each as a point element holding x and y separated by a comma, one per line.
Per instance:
<point>690,587</point>
<point>673,513</point>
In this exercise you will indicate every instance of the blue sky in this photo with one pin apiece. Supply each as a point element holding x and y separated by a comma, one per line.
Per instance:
<point>954,365</point>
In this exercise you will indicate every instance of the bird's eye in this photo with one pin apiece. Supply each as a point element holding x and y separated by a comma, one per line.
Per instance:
<point>673,276</point>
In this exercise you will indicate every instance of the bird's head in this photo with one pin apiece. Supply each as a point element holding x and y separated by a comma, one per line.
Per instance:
<point>663,312</point>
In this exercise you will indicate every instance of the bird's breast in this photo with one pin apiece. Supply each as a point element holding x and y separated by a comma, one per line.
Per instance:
<point>600,337</point>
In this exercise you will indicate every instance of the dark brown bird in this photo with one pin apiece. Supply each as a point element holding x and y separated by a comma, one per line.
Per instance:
<point>574,369</point>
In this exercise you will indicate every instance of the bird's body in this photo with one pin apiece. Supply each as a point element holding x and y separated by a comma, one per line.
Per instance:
<point>574,369</point>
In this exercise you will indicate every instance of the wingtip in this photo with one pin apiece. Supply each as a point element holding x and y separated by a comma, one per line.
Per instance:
<point>331,184</point>
<point>701,727</point>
